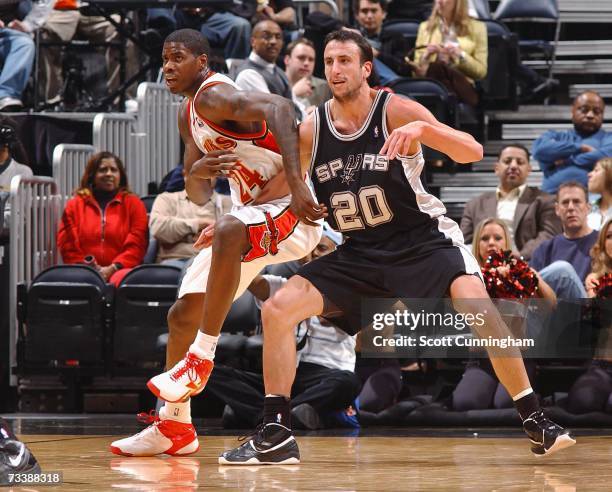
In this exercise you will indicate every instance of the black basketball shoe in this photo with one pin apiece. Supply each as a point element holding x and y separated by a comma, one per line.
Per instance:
<point>15,457</point>
<point>271,444</point>
<point>546,436</point>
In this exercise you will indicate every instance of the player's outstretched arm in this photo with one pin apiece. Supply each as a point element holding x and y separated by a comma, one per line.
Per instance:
<point>410,123</point>
<point>223,102</point>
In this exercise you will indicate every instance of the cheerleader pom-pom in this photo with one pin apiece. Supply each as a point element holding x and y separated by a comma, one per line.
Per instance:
<point>604,287</point>
<point>519,282</point>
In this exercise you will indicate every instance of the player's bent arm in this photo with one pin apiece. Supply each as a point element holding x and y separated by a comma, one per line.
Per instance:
<point>198,190</point>
<point>224,102</point>
<point>278,187</point>
<point>459,146</point>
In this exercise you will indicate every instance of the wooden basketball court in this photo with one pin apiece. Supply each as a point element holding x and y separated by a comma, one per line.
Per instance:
<point>335,463</point>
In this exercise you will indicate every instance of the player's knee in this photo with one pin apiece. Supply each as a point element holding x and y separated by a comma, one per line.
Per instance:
<point>229,231</point>
<point>275,315</point>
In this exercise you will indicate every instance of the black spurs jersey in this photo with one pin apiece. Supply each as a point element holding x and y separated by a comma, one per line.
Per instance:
<point>376,202</point>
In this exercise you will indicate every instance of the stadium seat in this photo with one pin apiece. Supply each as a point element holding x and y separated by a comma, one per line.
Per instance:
<point>64,315</point>
<point>499,88</point>
<point>148,202</point>
<point>482,9</point>
<point>534,12</point>
<point>398,38</point>
<point>243,316</point>
<point>143,299</point>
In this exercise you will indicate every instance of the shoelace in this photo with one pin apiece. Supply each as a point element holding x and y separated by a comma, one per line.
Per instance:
<point>189,366</point>
<point>257,430</point>
<point>152,417</point>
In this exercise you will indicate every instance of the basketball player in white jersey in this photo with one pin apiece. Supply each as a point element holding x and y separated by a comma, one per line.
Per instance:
<point>260,131</point>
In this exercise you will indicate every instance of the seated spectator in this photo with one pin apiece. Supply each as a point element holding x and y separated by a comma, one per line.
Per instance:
<point>370,15</point>
<point>64,23</point>
<point>176,223</point>
<point>308,91</point>
<point>325,381</point>
<point>17,49</point>
<point>528,212</point>
<point>569,155</point>
<point>600,183</point>
<point>224,26</point>
<point>601,256</point>
<point>592,391</point>
<point>104,225</point>
<point>479,388</point>
<point>564,261</point>
<point>260,72</point>
<point>453,49</point>
<point>10,147</point>
<point>280,11</point>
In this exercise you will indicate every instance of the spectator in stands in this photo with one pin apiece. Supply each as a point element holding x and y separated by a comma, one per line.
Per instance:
<point>176,223</point>
<point>453,49</point>
<point>260,72</point>
<point>325,381</point>
<point>226,26</point>
<point>569,155</point>
<point>592,391</point>
<point>528,212</point>
<point>600,183</point>
<point>479,388</point>
<point>17,48</point>
<point>370,15</point>
<point>601,256</point>
<point>104,225</point>
<point>280,11</point>
<point>564,261</point>
<point>308,91</point>
<point>64,23</point>
<point>10,147</point>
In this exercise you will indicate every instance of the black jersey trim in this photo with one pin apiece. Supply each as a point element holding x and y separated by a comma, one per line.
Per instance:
<point>358,133</point>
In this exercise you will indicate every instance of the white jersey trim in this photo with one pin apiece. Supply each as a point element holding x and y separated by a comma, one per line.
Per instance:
<point>358,133</point>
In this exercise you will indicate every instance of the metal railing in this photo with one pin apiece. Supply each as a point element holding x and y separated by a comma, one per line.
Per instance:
<point>116,133</point>
<point>35,212</point>
<point>69,162</point>
<point>159,149</point>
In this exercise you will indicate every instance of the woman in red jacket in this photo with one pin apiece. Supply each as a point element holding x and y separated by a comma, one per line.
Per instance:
<point>104,224</point>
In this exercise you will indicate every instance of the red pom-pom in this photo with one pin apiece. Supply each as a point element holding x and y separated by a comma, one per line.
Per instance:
<point>604,287</point>
<point>519,283</point>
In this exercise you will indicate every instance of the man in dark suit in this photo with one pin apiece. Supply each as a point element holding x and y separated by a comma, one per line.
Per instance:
<point>528,211</point>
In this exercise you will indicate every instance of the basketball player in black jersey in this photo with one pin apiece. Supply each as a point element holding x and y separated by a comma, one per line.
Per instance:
<point>363,149</point>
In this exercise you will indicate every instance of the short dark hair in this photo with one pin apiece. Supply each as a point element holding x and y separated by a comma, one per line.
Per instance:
<point>193,40</point>
<point>572,184</point>
<point>516,146</point>
<point>291,46</point>
<point>346,36</point>
<point>382,3</point>
<point>91,169</point>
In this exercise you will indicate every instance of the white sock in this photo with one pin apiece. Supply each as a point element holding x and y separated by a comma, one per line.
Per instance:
<point>520,395</point>
<point>181,412</point>
<point>204,346</point>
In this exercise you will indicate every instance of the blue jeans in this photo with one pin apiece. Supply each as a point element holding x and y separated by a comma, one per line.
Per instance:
<point>385,74</point>
<point>17,57</point>
<point>564,280</point>
<point>222,29</point>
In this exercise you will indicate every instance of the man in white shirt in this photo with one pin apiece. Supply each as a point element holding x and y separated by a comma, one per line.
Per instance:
<point>528,212</point>
<point>260,72</point>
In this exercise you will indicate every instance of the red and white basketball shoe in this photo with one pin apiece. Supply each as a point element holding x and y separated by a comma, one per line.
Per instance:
<point>163,436</point>
<point>186,379</point>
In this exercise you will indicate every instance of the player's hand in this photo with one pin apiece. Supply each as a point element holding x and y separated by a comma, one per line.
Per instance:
<point>214,164</point>
<point>400,139</point>
<point>303,87</point>
<point>305,208</point>
<point>206,237</point>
